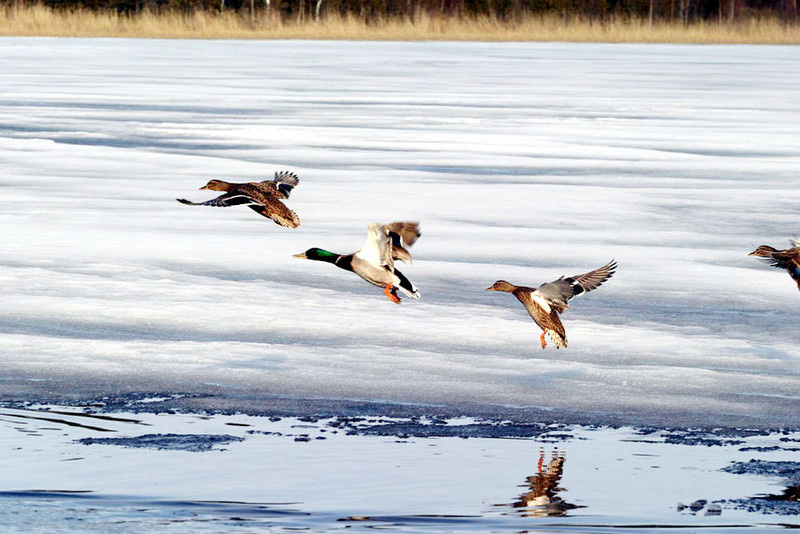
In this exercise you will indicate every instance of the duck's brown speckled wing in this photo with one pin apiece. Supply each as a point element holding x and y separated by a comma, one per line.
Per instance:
<point>266,201</point>
<point>548,320</point>
<point>261,192</point>
<point>788,259</point>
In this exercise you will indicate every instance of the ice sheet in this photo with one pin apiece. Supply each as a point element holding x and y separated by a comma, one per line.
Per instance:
<point>522,161</point>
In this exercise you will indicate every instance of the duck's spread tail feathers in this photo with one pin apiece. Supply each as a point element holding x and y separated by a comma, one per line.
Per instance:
<point>286,181</point>
<point>293,221</point>
<point>406,286</point>
<point>559,338</point>
<point>282,215</point>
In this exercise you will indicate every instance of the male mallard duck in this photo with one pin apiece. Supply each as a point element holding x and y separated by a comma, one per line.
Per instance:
<point>788,259</point>
<point>375,261</point>
<point>265,198</point>
<point>548,300</point>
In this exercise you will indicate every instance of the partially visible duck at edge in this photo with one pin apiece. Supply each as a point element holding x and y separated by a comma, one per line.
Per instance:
<point>374,262</point>
<point>545,303</point>
<point>265,198</point>
<point>788,259</point>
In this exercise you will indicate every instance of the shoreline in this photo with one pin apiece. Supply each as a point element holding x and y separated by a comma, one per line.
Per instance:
<point>39,21</point>
<point>495,420</point>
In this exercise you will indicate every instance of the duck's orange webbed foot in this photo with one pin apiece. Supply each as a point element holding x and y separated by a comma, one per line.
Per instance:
<point>391,294</point>
<point>544,343</point>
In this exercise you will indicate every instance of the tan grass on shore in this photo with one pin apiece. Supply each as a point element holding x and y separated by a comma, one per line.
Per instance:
<point>42,21</point>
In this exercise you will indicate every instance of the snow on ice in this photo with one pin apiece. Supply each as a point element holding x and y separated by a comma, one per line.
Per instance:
<point>522,161</point>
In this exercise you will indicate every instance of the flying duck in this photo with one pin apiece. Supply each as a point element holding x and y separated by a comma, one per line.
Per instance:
<point>548,300</point>
<point>788,259</point>
<point>374,262</point>
<point>265,198</point>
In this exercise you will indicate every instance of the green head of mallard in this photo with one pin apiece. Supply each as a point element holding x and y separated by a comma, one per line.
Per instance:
<point>317,254</point>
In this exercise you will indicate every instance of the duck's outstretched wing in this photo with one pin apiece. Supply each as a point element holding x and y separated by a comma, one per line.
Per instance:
<point>278,188</point>
<point>553,295</point>
<point>402,234</point>
<point>387,242</point>
<point>222,201</point>
<point>585,282</point>
<point>558,293</point>
<point>786,259</point>
<point>284,182</point>
<point>377,249</point>
<point>780,259</point>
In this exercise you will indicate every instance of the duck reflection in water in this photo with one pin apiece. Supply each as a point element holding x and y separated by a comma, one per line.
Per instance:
<point>542,499</point>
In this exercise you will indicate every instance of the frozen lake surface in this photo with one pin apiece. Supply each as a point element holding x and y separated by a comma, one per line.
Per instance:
<point>522,161</point>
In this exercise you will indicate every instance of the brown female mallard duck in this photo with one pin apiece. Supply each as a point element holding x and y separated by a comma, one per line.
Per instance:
<point>788,259</point>
<point>548,300</point>
<point>265,198</point>
<point>375,261</point>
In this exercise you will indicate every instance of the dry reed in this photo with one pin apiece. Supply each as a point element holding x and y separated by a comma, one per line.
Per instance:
<point>38,20</point>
